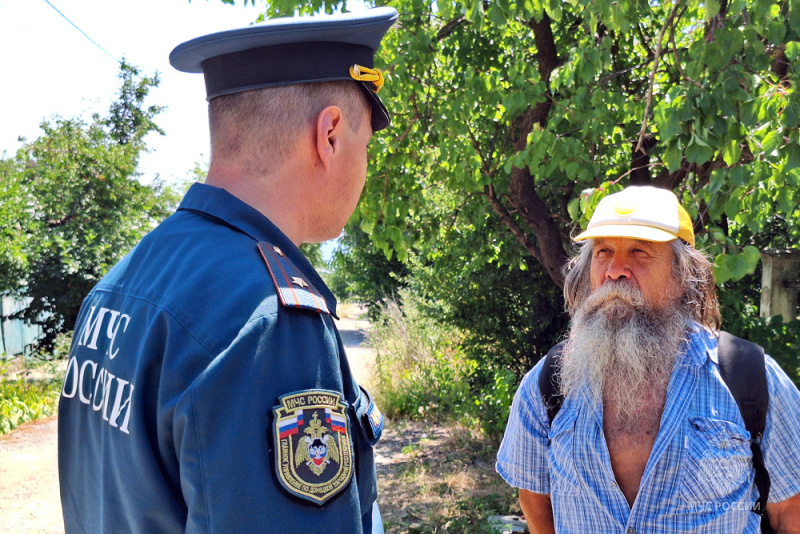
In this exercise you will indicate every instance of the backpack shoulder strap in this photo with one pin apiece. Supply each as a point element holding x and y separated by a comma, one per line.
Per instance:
<point>743,369</point>
<point>548,388</point>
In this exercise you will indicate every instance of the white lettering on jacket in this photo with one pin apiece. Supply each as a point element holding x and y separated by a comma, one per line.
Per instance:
<point>94,325</point>
<point>99,390</point>
<point>93,384</point>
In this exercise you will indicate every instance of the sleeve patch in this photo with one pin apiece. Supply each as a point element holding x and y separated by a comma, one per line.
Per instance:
<point>313,455</point>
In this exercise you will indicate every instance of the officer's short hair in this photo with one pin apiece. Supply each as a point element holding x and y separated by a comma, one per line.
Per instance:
<point>258,128</point>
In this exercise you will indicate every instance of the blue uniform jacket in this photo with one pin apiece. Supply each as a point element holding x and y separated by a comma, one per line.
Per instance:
<point>207,388</point>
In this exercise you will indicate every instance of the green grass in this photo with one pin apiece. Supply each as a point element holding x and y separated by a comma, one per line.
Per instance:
<point>424,373</point>
<point>421,371</point>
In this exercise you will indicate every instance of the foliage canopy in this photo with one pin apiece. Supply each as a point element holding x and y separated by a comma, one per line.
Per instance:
<point>73,205</point>
<point>512,118</point>
<point>532,109</point>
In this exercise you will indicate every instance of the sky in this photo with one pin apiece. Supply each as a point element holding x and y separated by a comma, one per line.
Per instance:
<point>48,67</point>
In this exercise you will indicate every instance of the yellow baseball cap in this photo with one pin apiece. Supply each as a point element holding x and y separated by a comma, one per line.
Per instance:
<point>640,212</point>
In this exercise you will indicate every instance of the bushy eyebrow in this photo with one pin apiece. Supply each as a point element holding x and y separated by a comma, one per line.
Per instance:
<point>600,242</point>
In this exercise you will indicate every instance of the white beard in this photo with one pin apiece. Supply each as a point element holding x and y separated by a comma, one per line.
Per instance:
<point>624,350</point>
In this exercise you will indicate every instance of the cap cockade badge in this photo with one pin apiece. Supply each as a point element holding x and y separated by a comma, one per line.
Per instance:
<point>313,454</point>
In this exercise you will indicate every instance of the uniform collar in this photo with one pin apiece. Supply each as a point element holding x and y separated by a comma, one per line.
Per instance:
<point>220,204</point>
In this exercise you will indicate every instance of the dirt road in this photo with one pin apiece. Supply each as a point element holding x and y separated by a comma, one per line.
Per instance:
<point>29,497</point>
<point>29,500</point>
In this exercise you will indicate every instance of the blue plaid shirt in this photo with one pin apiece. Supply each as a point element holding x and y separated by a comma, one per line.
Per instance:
<point>699,477</point>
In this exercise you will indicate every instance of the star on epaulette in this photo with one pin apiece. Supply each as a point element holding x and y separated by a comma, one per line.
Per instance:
<point>299,281</point>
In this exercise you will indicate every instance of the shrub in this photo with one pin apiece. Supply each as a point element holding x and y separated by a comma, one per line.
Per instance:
<point>494,403</point>
<point>423,371</point>
<point>740,316</point>
<point>420,369</point>
<point>23,400</point>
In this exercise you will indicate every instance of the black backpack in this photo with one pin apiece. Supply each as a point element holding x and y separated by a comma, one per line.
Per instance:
<point>743,369</point>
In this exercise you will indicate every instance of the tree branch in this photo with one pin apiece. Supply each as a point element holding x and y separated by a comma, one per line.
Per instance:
<point>485,167</point>
<point>675,52</point>
<point>450,27</point>
<point>653,73</point>
<point>508,220</point>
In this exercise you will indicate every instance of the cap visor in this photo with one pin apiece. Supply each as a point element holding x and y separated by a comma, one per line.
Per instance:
<point>380,115</point>
<point>630,231</point>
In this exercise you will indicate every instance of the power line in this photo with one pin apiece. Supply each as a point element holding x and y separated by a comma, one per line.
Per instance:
<point>82,32</point>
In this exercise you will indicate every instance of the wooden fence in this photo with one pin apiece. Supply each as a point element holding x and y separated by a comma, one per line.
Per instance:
<point>16,336</point>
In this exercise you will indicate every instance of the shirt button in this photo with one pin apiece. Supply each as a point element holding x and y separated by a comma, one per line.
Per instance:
<point>631,530</point>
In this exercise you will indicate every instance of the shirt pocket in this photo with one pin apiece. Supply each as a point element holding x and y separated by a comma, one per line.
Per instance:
<point>718,461</point>
<point>561,453</point>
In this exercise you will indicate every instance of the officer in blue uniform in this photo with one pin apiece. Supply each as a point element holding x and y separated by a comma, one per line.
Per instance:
<point>207,389</point>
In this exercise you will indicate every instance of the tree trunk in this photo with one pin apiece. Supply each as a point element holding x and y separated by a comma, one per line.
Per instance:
<point>524,196</point>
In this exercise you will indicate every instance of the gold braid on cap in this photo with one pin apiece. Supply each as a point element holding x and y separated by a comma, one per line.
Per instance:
<point>366,74</point>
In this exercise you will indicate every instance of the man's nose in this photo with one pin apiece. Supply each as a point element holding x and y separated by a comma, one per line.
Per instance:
<point>618,268</point>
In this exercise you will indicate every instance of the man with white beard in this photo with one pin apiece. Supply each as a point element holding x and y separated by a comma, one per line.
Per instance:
<point>649,438</point>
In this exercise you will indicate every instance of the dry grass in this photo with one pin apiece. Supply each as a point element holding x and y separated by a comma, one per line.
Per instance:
<point>439,479</point>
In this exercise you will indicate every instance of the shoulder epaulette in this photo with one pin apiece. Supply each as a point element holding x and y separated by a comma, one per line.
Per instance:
<point>294,291</point>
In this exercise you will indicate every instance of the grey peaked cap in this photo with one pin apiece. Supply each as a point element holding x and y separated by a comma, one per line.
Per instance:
<point>288,51</point>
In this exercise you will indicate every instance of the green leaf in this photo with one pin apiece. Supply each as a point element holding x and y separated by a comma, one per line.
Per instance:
<point>777,31</point>
<point>738,176</point>
<point>793,177</point>
<point>673,156</point>
<point>785,200</point>
<point>698,137</point>
<point>670,125</point>
<point>617,20</point>
<point>496,15</point>
<point>574,209</point>
<point>790,118</point>
<point>736,266</point>
<point>445,8</point>
<point>721,270</point>
<point>696,153</point>
<point>554,10</point>
<point>731,152</point>
<point>751,257</point>
<point>712,8</point>
<point>771,141</point>
<point>792,156</point>
<point>717,180</point>
<point>792,50</point>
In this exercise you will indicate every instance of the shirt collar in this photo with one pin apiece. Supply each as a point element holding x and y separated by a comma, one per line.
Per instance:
<point>230,210</point>
<point>701,345</point>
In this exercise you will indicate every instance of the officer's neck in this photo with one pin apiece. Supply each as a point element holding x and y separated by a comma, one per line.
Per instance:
<point>277,195</point>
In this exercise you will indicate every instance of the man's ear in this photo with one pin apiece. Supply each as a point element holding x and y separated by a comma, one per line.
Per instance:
<point>329,124</point>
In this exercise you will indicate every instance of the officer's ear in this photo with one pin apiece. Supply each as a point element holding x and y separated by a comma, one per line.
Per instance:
<point>330,121</point>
